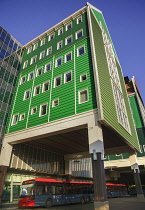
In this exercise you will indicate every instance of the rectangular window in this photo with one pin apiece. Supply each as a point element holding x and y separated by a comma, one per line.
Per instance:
<point>27,94</point>
<point>55,103</point>
<point>57,81</point>
<point>35,46</point>
<point>29,50</point>
<point>49,50</point>
<point>83,77</point>
<point>33,110</point>
<point>143,148</point>
<point>83,96</point>
<point>68,77</point>
<point>15,119</point>
<point>68,26</point>
<point>38,72</point>
<point>51,37</point>
<point>79,34</point>
<point>22,116</point>
<point>68,57</point>
<point>45,87</point>
<point>30,76</point>
<point>58,62</point>
<point>80,50</point>
<point>59,45</point>
<point>47,67</point>
<point>22,80</point>
<point>42,42</point>
<point>60,31</point>
<point>43,110</point>
<point>33,60</point>
<point>42,54</point>
<point>25,64</point>
<point>37,90</point>
<point>79,19</point>
<point>68,40</point>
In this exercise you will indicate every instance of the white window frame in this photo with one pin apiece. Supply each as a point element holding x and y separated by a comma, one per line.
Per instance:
<point>35,46</point>
<point>32,110</point>
<point>86,89</point>
<point>65,77</point>
<point>55,81</point>
<point>78,50</point>
<point>47,52</point>
<point>143,148</point>
<point>25,64</point>
<point>66,56</point>
<point>59,31</point>
<point>66,27</point>
<point>21,80</point>
<point>41,108</point>
<point>52,34</point>
<point>42,42</point>
<point>57,99</point>
<point>81,77</point>
<point>81,30</point>
<point>40,57</point>
<point>80,17</point>
<point>32,59</point>
<point>29,50</point>
<point>37,71</point>
<point>67,39</point>
<point>25,94</point>
<point>46,65</point>
<point>44,85</point>
<point>29,75</point>
<point>56,65</point>
<point>12,123</point>
<point>58,46</point>
<point>20,117</point>
<point>34,93</point>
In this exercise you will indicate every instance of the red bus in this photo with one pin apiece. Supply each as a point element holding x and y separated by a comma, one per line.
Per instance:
<point>49,192</point>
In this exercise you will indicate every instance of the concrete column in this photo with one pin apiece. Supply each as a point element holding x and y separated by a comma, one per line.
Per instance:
<point>11,193</point>
<point>68,170</point>
<point>136,173</point>
<point>96,148</point>
<point>3,170</point>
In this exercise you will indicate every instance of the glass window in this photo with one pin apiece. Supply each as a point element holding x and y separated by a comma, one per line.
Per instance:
<point>60,31</point>
<point>83,96</point>
<point>33,110</point>
<point>49,50</point>
<point>33,60</point>
<point>25,64</point>
<point>42,42</point>
<point>27,95</point>
<point>37,90</point>
<point>22,80</point>
<point>29,50</point>
<point>55,103</point>
<point>59,45</point>
<point>79,20</point>
<point>83,77</point>
<point>15,119</point>
<point>15,47</point>
<point>35,46</point>
<point>42,54</point>
<point>43,109</point>
<point>67,77</point>
<point>68,26</point>
<point>7,40</point>
<point>80,51</point>
<point>30,76</point>
<point>51,37</point>
<point>38,72</point>
<point>45,87</point>
<point>47,67</point>
<point>68,57</point>
<point>68,40</point>
<point>22,116</point>
<point>57,81</point>
<point>58,62</point>
<point>79,34</point>
<point>11,43</point>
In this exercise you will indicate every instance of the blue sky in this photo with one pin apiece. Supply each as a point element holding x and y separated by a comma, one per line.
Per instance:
<point>26,19</point>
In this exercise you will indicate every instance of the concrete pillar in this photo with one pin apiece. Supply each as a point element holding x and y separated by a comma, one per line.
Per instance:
<point>136,173</point>
<point>3,170</point>
<point>68,170</point>
<point>96,148</point>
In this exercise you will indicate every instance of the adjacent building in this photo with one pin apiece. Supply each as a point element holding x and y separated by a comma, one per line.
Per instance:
<point>70,100</point>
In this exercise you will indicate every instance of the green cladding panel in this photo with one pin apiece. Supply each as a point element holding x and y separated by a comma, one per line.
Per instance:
<point>67,93</point>
<point>106,92</point>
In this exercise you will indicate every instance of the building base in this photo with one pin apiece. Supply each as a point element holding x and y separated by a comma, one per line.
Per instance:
<point>141,197</point>
<point>101,205</point>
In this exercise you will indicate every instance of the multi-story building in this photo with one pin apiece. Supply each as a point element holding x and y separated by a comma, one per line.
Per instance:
<point>70,98</point>
<point>9,69</point>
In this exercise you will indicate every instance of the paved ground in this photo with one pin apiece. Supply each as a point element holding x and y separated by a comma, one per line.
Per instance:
<point>128,203</point>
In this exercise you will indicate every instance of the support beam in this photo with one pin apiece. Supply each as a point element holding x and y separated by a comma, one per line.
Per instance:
<point>136,174</point>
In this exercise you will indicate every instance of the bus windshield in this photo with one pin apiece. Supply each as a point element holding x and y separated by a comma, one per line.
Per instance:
<point>27,190</point>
